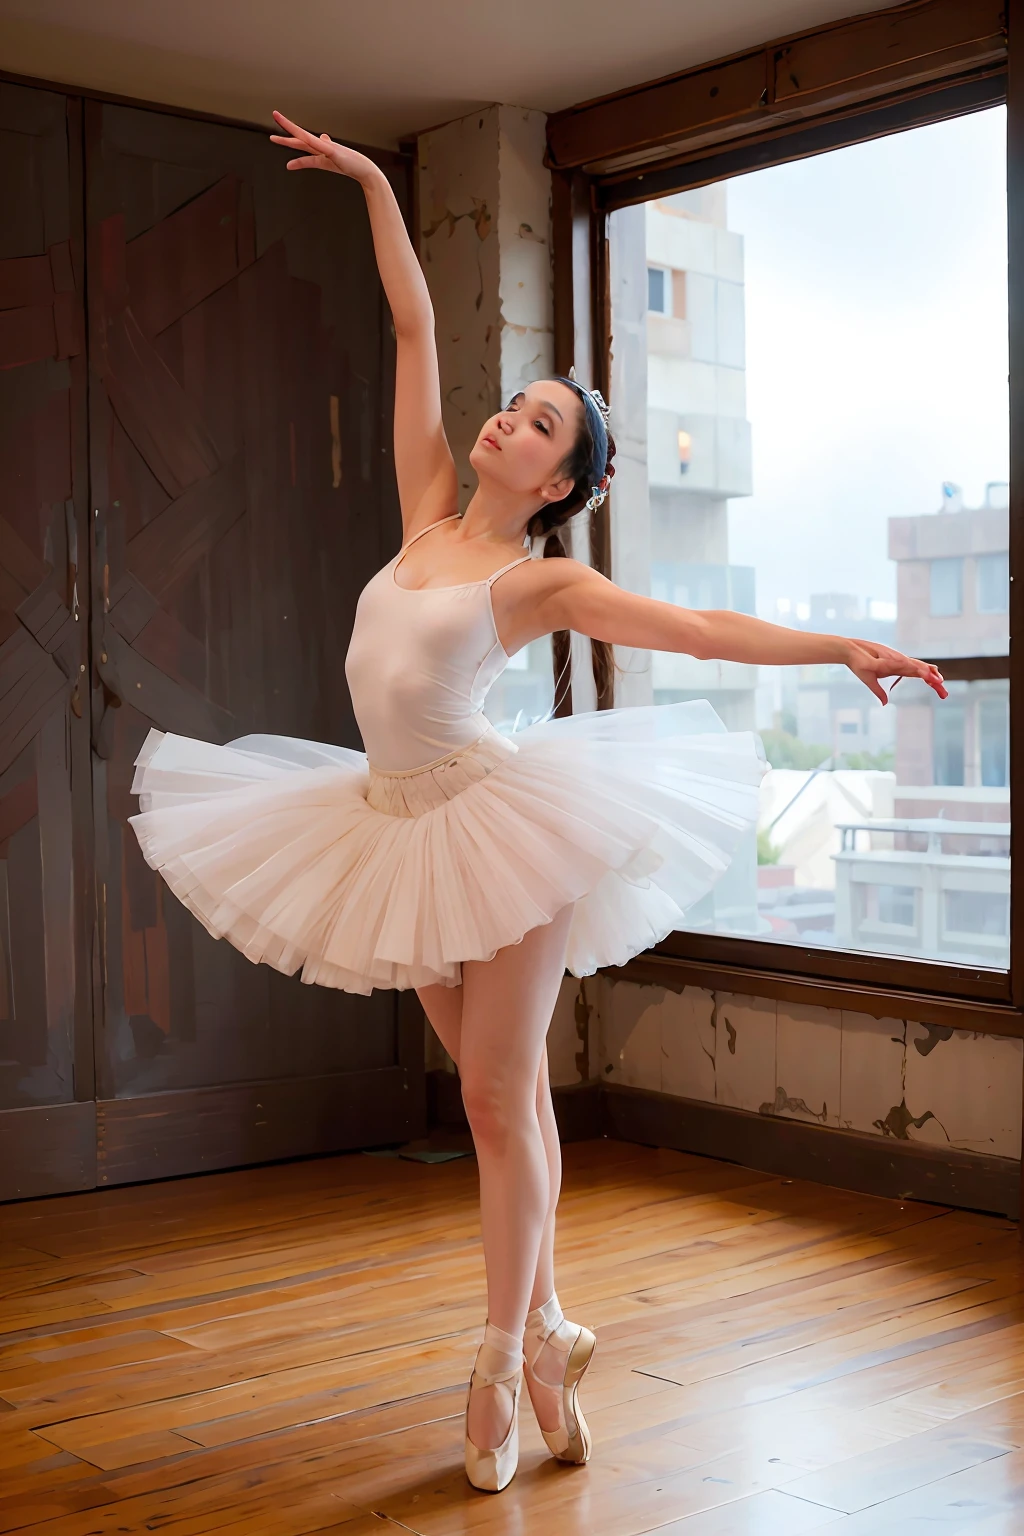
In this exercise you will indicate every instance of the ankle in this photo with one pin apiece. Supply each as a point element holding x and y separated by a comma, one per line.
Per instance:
<point>500,1355</point>
<point>545,1318</point>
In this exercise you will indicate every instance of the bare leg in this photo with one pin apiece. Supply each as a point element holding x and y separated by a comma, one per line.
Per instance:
<point>507,1004</point>
<point>550,1364</point>
<point>443,1007</point>
<point>544,1281</point>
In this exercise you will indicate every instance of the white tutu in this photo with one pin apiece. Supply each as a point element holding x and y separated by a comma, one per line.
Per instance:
<point>304,857</point>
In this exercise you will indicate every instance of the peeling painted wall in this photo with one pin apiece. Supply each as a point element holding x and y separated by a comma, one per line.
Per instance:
<point>485,245</point>
<point>886,1077</point>
<point>825,1066</point>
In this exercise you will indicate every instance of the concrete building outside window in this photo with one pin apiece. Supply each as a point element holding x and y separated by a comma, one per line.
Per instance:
<point>822,351</point>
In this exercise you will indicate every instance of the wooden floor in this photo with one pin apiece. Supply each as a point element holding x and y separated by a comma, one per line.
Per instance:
<point>284,1350</point>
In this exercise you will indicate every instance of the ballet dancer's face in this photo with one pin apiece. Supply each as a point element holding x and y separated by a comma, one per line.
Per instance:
<point>524,447</point>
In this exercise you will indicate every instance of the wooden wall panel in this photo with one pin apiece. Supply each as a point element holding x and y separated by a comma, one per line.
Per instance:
<point>45,1022</point>
<point>241,457</point>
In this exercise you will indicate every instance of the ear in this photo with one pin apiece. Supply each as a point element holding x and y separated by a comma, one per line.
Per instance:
<point>556,490</point>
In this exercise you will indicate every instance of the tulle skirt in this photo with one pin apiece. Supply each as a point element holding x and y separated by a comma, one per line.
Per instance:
<point>306,858</point>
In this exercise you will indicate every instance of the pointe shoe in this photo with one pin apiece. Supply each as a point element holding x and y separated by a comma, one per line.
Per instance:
<point>571,1441</point>
<point>493,1470</point>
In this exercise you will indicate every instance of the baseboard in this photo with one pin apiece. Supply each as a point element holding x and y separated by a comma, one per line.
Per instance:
<point>235,1125</point>
<point>47,1149</point>
<point>579,1111</point>
<point>872,1165</point>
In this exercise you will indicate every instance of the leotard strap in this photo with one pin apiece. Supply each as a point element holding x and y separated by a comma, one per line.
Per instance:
<point>450,518</point>
<point>492,579</point>
<point>488,581</point>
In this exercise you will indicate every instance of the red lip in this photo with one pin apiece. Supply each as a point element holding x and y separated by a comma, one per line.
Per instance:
<point>493,442</point>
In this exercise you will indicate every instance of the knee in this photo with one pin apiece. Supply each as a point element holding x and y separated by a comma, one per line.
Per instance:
<point>488,1108</point>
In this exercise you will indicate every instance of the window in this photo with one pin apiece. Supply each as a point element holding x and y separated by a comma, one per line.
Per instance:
<point>993,574</point>
<point>946,588</point>
<point>658,290</point>
<point>525,690</point>
<point>978,913</point>
<point>840,386</point>
<point>894,906</point>
<point>994,741</point>
<point>948,743</point>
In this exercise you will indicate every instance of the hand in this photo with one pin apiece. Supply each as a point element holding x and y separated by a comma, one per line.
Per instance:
<point>869,662</point>
<point>322,154</point>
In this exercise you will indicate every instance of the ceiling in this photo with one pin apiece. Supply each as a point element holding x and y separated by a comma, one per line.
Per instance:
<point>375,72</point>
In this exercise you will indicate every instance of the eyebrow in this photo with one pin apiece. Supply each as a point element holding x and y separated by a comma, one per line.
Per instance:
<point>521,395</point>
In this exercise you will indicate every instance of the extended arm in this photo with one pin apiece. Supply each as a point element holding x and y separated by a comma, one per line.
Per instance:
<point>587,602</point>
<point>427,483</point>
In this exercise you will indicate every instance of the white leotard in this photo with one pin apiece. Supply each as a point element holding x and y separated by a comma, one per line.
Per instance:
<point>420,663</point>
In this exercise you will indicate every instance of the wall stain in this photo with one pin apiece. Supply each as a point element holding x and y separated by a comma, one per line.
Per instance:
<point>782,1101</point>
<point>936,1032</point>
<point>898,1121</point>
<point>483,221</point>
<point>714,1026</point>
<point>730,1030</point>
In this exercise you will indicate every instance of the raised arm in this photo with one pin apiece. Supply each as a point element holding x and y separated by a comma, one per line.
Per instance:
<point>583,600</point>
<point>427,482</point>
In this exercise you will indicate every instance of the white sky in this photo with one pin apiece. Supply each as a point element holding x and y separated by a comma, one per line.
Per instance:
<point>876,349</point>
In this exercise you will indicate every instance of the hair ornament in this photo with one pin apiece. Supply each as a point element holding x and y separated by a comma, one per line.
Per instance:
<point>595,395</point>
<point>597,496</point>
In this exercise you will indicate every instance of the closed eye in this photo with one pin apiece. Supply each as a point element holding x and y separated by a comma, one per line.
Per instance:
<point>538,421</point>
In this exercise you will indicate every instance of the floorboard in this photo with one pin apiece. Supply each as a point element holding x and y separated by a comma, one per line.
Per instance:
<point>283,1351</point>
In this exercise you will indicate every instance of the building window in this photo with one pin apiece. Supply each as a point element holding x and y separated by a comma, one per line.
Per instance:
<point>897,905</point>
<point>978,913</point>
<point>948,744</point>
<point>946,588</point>
<point>994,741</point>
<point>993,573</point>
<point>659,290</point>
<point>806,462</point>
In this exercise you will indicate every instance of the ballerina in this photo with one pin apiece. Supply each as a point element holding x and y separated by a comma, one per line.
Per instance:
<point>473,865</point>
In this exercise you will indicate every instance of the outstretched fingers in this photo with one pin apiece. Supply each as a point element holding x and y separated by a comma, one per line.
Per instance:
<point>931,675</point>
<point>884,662</point>
<point>927,672</point>
<point>302,138</point>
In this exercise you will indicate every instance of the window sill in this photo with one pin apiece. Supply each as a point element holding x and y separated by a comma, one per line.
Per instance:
<point>701,966</point>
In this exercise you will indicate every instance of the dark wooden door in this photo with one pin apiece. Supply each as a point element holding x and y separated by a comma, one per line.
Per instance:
<point>240,364</point>
<point>239,494</point>
<point>47,1116</point>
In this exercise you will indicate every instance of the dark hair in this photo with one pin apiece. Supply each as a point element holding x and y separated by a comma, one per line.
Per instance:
<point>581,462</point>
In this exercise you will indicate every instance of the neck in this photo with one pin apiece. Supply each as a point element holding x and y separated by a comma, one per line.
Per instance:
<point>497,517</point>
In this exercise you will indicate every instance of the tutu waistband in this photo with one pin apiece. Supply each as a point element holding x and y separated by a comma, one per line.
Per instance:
<point>412,791</point>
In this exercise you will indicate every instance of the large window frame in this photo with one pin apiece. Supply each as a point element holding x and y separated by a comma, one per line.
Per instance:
<point>854,80</point>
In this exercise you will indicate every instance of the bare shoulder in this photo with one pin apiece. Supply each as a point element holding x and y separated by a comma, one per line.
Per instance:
<point>544,595</point>
<point>541,580</point>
